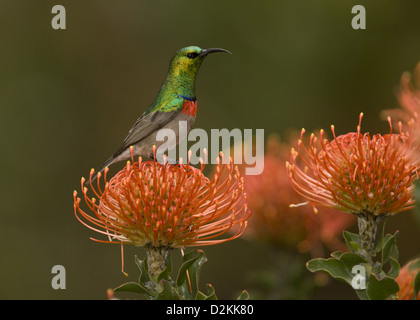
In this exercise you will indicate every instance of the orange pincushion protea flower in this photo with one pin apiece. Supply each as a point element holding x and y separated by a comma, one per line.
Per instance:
<point>408,95</point>
<point>160,205</point>
<point>355,172</point>
<point>275,222</point>
<point>406,280</point>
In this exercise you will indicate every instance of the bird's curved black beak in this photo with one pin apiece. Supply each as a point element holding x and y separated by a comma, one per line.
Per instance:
<point>205,52</point>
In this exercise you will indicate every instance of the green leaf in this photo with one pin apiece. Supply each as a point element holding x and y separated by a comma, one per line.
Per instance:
<point>352,240</point>
<point>395,268</point>
<point>351,259</point>
<point>337,254</point>
<point>168,263</point>
<point>168,291</point>
<point>142,265</point>
<point>211,294</point>
<point>380,243</point>
<point>244,295</point>
<point>200,296</point>
<point>336,268</point>
<point>416,285</point>
<point>381,289</point>
<point>414,264</point>
<point>144,274</point>
<point>132,287</point>
<point>165,274</point>
<point>390,249</point>
<point>187,280</point>
<point>362,294</point>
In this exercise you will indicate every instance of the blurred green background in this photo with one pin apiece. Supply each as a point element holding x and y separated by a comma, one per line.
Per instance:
<point>68,98</point>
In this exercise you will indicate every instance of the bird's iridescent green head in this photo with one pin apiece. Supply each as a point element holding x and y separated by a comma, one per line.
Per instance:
<point>187,61</point>
<point>180,80</point>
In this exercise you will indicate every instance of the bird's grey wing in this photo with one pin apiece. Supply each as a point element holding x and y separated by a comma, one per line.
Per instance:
<point>146,125</point>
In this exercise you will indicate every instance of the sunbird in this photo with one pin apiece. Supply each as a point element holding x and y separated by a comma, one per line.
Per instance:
<point>176,101</point>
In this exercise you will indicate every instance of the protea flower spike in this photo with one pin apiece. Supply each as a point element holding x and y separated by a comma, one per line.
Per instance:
<point>163,206</point>
<point>369,176</point>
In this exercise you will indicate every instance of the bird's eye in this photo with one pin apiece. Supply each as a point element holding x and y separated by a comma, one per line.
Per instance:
<point>192,55</point>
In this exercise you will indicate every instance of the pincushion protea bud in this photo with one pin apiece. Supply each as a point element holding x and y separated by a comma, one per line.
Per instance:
<point>369,176</point>
<point>406,280</point>
<point>166,206</point>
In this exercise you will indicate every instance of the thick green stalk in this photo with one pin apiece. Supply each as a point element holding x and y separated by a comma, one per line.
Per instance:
<point>156,261</point>
<point>368,226</point>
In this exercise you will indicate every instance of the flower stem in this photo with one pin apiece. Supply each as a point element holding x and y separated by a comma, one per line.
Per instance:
<point>156,261</point>
<point>368,226</point>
